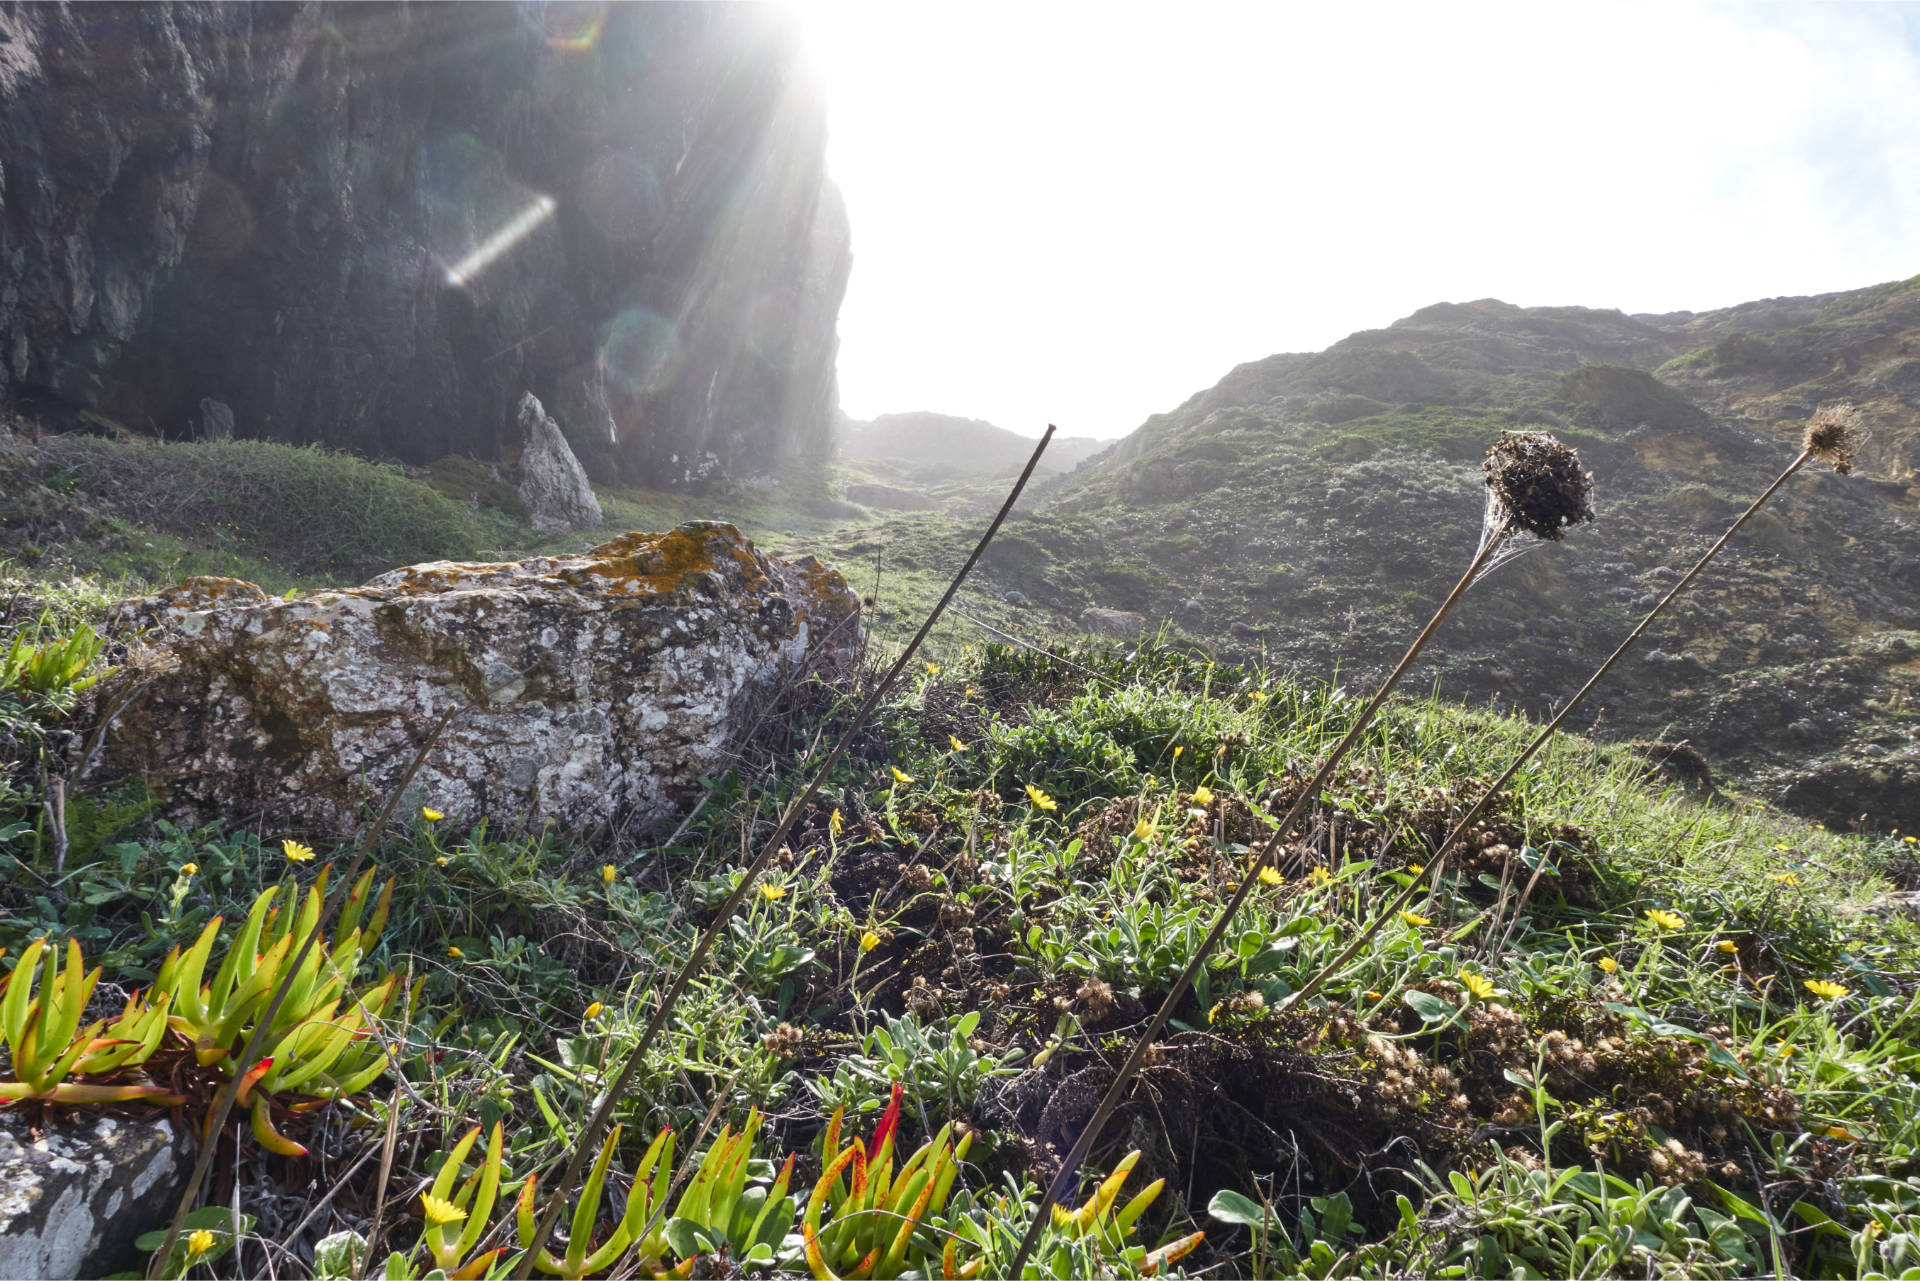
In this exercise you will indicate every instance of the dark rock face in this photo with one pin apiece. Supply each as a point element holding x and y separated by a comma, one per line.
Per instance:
<point>374,226</point>
<point>74,1194</point>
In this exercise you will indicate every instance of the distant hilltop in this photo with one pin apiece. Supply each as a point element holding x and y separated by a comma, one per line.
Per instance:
<point>943,442</point>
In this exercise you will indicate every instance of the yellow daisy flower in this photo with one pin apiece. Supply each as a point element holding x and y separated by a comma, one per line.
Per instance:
<point>455,953</point>
<point>440,1210</point>
<point>900,775</point>
<point>771,892</point>
<point>1177,751</point>
<point>594,1011</point>
<point>1040,799</point>
<point>295,851</point>
<point>869,941</point>
<point>1664,919</point>
<point>836,824</point>
<point>1784,878</point>
<point>1143,830</point>
<point>1607,964</point>
<point>199,1243</point>
<point>1202,795</point>
<point>430,814</point>
<point>1319,876</point>
<point>1271,876</point>
<point>1414,869</point>
<point>933,669</point>
<point>1414,918</point>
<point>441,861</point>
<point>608,872</point>
<point>956,744</point>
<point>1826,989</point>
<point>189,869</point>
<point>1728,946</point>
<point>1479,985</point>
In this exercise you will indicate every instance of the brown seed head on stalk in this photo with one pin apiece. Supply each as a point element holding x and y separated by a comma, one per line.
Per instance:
<point>1835,435</point>
<point>1538,484</point>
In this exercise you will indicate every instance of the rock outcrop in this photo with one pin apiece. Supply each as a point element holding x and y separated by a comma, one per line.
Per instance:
<point>548,478</point>
<point>590,689</point>
<point>1121,624</point>
<point>73,1196</point>
<point>373,226</point>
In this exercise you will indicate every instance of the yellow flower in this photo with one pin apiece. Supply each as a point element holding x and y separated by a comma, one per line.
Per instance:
<point>956,744</point>
<point>1259,696</point>
<point>608,872</point>
<point>1414,869</point>
<point>1728,946</point>
<point>189,869</point>
<point>933,669</point>
<point>1220,750</point>
<point>1319,876</point>
<point>441,861</point>
<point>455,953</point>
<point>1271,876</point>
<point>1375,996</point>
<point>430,814</point>
<point>1911,840</point>
<point>1819,827</point>
<point>1664,919</point>
<point>1785,878</point>
<point>1177,751</point>
<point>1214,1013</point>
<point>199,1243</point>
<point>295,851</point>
<point>1826,989</point>
<point>869,941</point>
<point>836,824</point>
<point>1041,799</point>
<point>1414,918</point>
<point>1607,964</point>
<point>440,1210</point>
<point>900,775</point>
<point>971,691</point>
<point>771,892</point>
<point>1143,830</point>
<point>1782,849</point>
<point>595,1010</point>
<point>1202,795</point>
<point>1479,985</point>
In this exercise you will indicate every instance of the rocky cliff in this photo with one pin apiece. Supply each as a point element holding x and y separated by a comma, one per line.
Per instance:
<point>376,226</point>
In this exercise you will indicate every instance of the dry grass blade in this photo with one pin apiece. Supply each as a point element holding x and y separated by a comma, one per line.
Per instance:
<point>590,1135</point>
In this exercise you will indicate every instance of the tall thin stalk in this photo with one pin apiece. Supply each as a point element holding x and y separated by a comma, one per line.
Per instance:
<point>1839,451</point>
<point>590,1136</point>
<point>1508,521</point>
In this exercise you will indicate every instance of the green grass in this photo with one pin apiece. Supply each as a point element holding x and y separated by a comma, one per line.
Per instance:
<point>1694,1110</point>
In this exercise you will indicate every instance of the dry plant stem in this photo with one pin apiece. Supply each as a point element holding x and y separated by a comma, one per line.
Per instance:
<point>1445,850</point>
<point>387,1146</point>
<point>223,1100</point>
<point>1110,1101</point>
<point>584,1145</point>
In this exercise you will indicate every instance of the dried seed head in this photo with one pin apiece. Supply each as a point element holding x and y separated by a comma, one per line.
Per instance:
<point>1538,485</point>
<point>1835,435</point>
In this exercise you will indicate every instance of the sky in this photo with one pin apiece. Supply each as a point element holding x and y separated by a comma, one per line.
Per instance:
<point>1082,215</point>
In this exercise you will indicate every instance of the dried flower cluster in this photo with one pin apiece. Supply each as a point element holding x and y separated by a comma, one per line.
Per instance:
<point>1835,435</point>
<point>1538,484</point>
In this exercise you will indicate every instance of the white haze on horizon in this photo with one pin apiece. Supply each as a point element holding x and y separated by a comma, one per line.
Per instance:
<point>1085,215</point>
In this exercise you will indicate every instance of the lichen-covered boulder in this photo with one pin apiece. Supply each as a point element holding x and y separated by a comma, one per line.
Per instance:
<point>590,689</point>
<point>74,1195</point>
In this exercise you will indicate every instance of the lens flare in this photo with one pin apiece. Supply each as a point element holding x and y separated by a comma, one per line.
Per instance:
<point>511,233</point>
<point>640,351</point>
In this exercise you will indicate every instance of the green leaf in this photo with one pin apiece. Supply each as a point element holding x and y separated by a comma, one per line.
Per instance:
<point>685,1237</point>
<point>339,1255</point>
<point>1229,1206</point>
<point>1429,1007</point>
